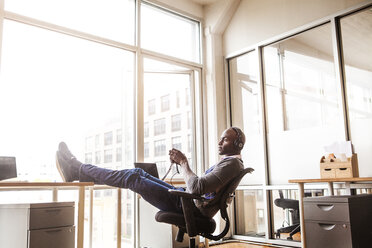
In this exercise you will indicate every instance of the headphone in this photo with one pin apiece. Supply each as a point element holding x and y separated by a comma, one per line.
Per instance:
<point>238,143</point>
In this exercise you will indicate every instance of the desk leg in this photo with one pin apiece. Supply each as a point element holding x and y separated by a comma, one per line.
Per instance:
<point>55,194</point>
<point>80,227</point>
<point>91,196</point>
<point>330,188</point>
<point>301,192</point>
<point>118,226</point>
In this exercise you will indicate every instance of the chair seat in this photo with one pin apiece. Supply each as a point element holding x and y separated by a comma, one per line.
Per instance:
<point>287,203</point>
<point>205,225</point>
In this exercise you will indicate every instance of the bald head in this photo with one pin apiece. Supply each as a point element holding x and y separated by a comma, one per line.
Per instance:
<point>231,142</point>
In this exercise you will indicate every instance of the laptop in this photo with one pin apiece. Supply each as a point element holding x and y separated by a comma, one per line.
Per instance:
<point>148,167</point>
<point>8,167</point>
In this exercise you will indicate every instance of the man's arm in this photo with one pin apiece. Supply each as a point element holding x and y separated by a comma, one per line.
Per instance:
<point>213,181</point>
<point>179,158</point>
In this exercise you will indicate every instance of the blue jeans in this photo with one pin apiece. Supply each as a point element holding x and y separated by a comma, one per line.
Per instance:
<point>152,189</point>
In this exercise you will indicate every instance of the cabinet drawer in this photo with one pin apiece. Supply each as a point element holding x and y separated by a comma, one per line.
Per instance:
<point>327,234</point>
<point>326,211</point>
<point>51,217</point>
<point>62,237</point>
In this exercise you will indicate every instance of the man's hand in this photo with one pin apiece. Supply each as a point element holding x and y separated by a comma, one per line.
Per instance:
<point>177,157</point>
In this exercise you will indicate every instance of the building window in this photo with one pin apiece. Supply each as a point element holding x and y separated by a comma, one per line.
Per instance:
<point>108,138</point>
<point>108,156</point>
<point>97,141</point>
<point>89,143</point>
<point>159,126</point>
<point>118,154</point>
<point>146,129</point>
<point>162,168</point>
<point>188,120</point>
<point>189,143</point>
<point>88,158</point>
<point>187,96</point>
<point>165,103</point>
<point>98,157</point>
<point>176,122</point>
<point>118,136</point>
<point>177,143</point>
<point>146,150</point>
<point>178,99</point>
<point>151,107</point>
<point>159,148</point>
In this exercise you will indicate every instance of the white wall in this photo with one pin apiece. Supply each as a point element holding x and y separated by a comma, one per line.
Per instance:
<point>259,20</point>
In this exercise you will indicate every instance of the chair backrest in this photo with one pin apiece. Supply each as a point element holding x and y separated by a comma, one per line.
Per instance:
<point>225,198</point>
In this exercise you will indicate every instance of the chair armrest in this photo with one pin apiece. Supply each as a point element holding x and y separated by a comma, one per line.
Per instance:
<point>186,194</point>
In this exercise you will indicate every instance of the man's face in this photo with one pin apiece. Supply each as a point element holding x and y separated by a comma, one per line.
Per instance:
<point>226,143</point>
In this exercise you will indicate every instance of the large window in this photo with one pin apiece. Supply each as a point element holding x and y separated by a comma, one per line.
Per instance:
<point>246,112</point>
<point>294,96</point>
<point>168,33</point>
<point>303,98</point>
<point>117,24</point>
<point>169,84</point>
<point>67,75</point>
<point>357,50</point>
<point>50,88</point>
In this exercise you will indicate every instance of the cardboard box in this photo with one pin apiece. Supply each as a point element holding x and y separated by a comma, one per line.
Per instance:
<point>336,169</point>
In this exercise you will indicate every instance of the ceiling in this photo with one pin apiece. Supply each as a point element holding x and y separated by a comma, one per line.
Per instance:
<point>205,2</point>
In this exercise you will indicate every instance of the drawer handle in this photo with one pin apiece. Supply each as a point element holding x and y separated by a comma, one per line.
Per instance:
<point>53,210</point>
<point>54,231</point>
<point>325,207</point>
<point>327,227</point>
<point>327,169</point>
<point>342,169</point>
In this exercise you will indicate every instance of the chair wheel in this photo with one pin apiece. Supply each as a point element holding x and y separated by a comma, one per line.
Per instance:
<point>289,238</point>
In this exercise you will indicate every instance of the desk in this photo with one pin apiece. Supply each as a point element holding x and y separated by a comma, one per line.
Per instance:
<point>55,187</point>
<point>329,181</point>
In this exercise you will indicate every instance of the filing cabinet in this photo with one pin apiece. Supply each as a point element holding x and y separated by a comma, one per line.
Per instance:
<point>37,225</point>
<point>338,221</point>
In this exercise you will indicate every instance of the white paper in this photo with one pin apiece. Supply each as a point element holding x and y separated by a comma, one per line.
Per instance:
<point>339,149</point>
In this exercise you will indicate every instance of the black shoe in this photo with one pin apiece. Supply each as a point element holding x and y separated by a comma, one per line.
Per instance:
<point>67,155</point>
<point>68,171</point>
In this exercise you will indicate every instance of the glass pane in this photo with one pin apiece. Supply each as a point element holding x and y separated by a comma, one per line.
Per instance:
<point>168,33</point>
<point>245,112</point>
<point>250,213</point>
<point>286,219</point>
<point>303,102</point>
<point>356,32</point>
<point>166,128</point>
<point>112,19</point>
<point>104,218</point>
<point>127,223</point>
<point>48,95</point>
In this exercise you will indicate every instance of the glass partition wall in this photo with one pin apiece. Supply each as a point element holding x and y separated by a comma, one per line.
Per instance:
<point>292,97</point>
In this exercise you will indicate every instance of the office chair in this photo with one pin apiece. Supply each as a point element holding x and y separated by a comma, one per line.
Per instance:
<point>293,206</point>
<point>192,221</point>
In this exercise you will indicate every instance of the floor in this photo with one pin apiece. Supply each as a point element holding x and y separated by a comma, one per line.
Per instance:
<point>239,245</point>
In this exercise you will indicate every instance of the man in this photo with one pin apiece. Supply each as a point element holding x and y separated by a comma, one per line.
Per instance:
<point>154,190</point>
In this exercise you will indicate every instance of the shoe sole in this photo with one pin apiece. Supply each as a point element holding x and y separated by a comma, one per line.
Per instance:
<point>60,169</point>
